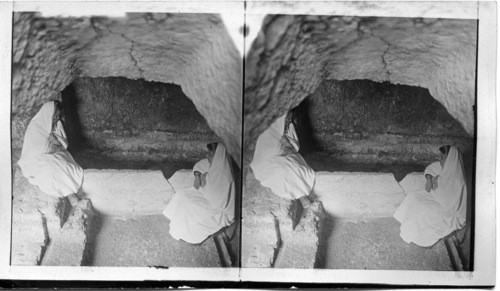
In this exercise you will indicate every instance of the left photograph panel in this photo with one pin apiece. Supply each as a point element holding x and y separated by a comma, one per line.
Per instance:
<point>126,138</point>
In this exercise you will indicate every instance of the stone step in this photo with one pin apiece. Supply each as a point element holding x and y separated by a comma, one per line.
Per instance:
<point>357,195</point>
<point>127,193</point>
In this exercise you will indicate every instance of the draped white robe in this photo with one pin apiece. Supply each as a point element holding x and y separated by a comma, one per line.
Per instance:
<point>278,165</point>
<point>44,161</point>
<point>196,214</point>
<point>427,217</point>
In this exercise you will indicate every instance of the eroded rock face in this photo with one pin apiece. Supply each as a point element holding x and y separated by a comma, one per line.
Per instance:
<point>37,235</point>
<point>268,239</point>
<point>293,54</point>
<point>366,121</point>
<point>194,51</point>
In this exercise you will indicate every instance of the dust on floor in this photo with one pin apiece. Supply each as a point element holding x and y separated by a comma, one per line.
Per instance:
<point>145,241</point>
<point>376,245</point>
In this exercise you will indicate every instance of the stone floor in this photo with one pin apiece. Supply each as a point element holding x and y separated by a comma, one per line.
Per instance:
<point>117,239</point>
<point>360,232</point>
<point>145,241</point>
<point>376,245</point>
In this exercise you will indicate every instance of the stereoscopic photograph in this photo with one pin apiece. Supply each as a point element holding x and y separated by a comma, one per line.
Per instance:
<point>249,142</point>
<point>118,152</point>
<point>371,164</point>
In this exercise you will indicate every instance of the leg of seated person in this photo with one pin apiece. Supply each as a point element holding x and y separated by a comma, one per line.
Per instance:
<point>306,202</point>
<point>295,212</point>
<point>73,199</point>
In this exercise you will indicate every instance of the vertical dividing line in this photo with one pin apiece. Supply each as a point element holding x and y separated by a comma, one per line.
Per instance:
<point>242,177</point>
<point>10,124</point>
<point>474,154</point>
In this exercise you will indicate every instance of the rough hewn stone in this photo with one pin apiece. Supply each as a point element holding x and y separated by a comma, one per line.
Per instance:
<point>437,54</point>
<point>193,51</point>
<point>36,226</point>
<point>268,239</point>
<point>67,245</point>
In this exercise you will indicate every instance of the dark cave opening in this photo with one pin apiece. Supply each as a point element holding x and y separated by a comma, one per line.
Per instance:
<point>361,125</point>
<point>119,123</point>
<point>115,122</point>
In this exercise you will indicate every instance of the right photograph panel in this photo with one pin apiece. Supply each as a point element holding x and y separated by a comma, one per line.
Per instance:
<point>359,144</point>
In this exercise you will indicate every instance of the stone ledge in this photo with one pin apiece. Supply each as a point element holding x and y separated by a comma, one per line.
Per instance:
<point>358,196</point>
<point>127,192</point>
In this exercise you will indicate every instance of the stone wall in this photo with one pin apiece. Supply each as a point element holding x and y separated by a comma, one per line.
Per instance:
<point>294,54</point>
<point>194,51</point>
<point>367,121</point>
<point>126,115</point>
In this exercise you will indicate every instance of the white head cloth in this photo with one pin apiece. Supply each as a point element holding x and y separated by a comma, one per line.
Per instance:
<point>269,142</point>
<point>452,189</point>
<point>202,166</point>
<point>220,189</point>
<point>36,138</point>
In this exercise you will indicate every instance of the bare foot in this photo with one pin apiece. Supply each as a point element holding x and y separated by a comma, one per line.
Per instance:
<point>197,182</point>
<point>295,212</point>
<point>434,183</point>
<point>203,180</point>
<point>428,185</point>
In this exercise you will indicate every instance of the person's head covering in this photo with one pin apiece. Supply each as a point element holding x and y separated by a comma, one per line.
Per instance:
<point>452,189</point>
<point>277,128</point>
<point>269,142</point>
<point>220,189</point>
<point>202,166</point>
<point>36,138</point>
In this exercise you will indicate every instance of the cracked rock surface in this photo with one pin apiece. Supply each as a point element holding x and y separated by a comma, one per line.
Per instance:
<point>36,229</point>
<point>268,239</point>
<point>292,55</point>
<point>194,51</point>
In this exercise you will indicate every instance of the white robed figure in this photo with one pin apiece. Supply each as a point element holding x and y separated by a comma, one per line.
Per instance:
<point>428,215</point>
<point>278,165</point>
<point>45,161</point>
<point>197,212</point>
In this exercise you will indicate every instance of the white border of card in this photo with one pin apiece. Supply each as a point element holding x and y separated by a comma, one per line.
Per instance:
<point>485,224</point>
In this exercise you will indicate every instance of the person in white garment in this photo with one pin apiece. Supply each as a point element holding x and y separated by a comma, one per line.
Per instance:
<point>45,162</point>
<point>428,215</point>
<point>278,165</point>
<point>197,212</point>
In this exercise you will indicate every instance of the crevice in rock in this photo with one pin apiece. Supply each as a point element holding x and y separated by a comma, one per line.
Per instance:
<point>131,53</point>
<point>384,61</point>
<point>278,250</point>
<point>46,242</point>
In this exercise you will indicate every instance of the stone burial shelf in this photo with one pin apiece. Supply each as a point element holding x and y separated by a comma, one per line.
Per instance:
<point>127,193</point>
<point>118,197</point>
<point>361,232</point>
<point>358,196</point>
<point>343,229</point>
